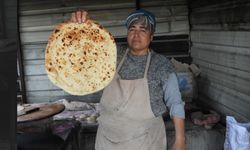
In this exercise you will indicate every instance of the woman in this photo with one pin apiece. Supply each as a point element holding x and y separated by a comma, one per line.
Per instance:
<point>144,84</point>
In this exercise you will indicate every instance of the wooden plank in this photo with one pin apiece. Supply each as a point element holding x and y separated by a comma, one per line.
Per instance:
<point>40,85</point>
<point>227,38</point>
<point>61,93</point>
<point>163,2</point>
<point>42,112</point>
<point>220,15</point>
<point>221,108</point>
<point>239,50</point>
<point>52,96</point>
<point>178,27</point>
<point>162,10</point>
<point>34,70</point>
<point>227,80</point>
<point>34,62</point>
<point>206,82</point>
<point>180,21</point>
<point>222,96</point>
<point>44,9</point>
<point>222,27</point>
<point>89,5</point>
<point>234,72</point>
<point>37,5</point>
<point>200,5</point>
<point>53,93</point>
<point>34,54</point>
<point>35,37</point>
<point>104,17</point>
<point>232,60</point>
<point>232,14</point>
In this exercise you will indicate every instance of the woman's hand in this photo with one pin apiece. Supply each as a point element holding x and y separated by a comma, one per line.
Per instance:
<point>79,16</point>
<point>179,145</point>
<point>179,133</point>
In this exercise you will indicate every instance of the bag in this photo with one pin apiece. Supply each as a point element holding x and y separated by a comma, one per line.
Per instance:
<point>237,135</point>
<point>187,86</point>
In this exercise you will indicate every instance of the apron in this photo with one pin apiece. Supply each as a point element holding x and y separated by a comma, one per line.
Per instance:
<point>126,119</point>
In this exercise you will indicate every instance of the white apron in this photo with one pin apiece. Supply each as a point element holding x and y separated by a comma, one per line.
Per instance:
<point>126,119</point>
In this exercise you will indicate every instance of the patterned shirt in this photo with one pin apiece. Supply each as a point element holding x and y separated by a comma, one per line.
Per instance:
<point>162,81</point>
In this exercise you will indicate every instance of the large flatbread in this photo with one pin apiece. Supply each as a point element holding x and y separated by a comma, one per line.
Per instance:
<point>80,58</point>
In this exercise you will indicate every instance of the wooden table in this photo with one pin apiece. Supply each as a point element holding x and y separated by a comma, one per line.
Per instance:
<point>44,111</point>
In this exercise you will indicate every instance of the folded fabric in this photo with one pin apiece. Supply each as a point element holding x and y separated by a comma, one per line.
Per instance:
<point>237,135</point>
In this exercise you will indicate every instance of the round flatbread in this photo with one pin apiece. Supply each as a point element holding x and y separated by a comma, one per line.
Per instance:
<point>80,58</point>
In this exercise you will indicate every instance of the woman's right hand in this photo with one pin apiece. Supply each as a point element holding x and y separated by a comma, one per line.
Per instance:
<point>79,16</point>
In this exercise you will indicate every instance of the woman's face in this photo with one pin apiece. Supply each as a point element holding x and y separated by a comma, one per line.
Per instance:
<point>139,39</point>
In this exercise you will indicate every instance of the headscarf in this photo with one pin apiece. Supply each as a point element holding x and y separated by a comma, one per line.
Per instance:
<point>143,17</point>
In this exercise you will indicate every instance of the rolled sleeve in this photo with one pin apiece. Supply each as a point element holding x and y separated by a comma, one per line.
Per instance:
<point>172,97</point>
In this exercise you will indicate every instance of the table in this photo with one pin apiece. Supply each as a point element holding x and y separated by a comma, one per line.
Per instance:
<point>44,111</point>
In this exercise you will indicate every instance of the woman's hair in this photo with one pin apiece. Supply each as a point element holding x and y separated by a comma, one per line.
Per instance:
<point>142,20</point>
<point>142,17</point>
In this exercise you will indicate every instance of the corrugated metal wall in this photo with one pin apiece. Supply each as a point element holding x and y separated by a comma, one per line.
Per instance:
<point>220,37</point>
<point>38,18</point>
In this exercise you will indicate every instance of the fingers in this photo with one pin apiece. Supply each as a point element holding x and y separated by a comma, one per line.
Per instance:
<point>73,17</point>
<point>84,16</point>
<point>79,16</point>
